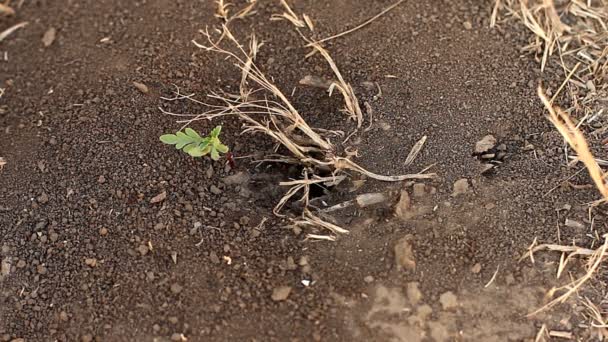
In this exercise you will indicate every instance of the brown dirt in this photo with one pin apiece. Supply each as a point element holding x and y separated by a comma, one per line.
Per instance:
<point>82,151</point>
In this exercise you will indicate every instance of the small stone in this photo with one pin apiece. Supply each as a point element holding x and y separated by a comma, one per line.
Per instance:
<point>44,198</point>
<point>244,220</point>
<point>419,190</point>
<point>54,237</point>
<point>159,198</point>
<point>156,327</point>
<point>41,269</point>
<point>103,231</point>
<point>485,144</point>
<point>21,263</point>
<point>404,253</point>
<point>486,168</point>
<point>291,265</point>
<point>173,320</point>
<point>461,187</point>
<point>467,25</point>
<point>209,172</point>
<point>448,300</point>
<point>369,279</point>
<point>214,258</point>
<point>574,224</point>
<point>413,293</point>
<point>63,316</point>
<point>476,268</point>
<point>150,276</point>
<point>143,250</point>
<point>49,36</point>
<point>101,179</point>
<point>281,293</point>
<point>178,337</point>
<point>141,87</point>
<point>91,262</point>
<point>488,156</point>
<point>87,338</point>
<point>215,190</point>
<point>176,288</point>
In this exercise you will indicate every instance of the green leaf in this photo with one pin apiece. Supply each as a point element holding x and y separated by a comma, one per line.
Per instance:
<point>206,149</point>
<point>214,154</point>
<point>189,147</point>
<point>169,139</point>
<point>221,147</point>
<point>215,133</point>
<point>193,134</point>
<point>195,152</point>
<point>182,140</point>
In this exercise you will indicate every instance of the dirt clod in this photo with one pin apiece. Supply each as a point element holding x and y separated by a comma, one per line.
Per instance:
<point>461,187</point>
<point>485,144</point>
<point>91,262</point>
<point>159,198</point>
<point>448,300</point>
<point>404,253</point>
<point>403,208</point>
<point>280,293</point>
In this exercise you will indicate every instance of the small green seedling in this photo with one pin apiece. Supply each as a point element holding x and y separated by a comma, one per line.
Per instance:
<point>192,143</point>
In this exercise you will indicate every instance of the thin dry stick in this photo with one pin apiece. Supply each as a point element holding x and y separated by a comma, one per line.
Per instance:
<point>367,22</point>
<point>595,260</point>
<point>4,34</point>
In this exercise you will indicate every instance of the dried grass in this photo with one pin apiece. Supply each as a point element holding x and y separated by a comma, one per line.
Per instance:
<point>6,10</point>
<point>572,36</point>
<point>4,34</point>
<point>265,109</point>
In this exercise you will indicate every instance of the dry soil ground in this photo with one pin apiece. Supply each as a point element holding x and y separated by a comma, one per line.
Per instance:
<point>86,256</point>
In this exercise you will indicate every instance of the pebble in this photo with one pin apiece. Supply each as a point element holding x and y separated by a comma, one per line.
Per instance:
<point>215,190</point>
<point>291,265</point>
<point>214,258</point>
<point>448,300</point>
<point>369,279</point>
<point>476,268</point>
<point>101,179</point>
<point>467,25</point>
<point>461,187</point>
<point>178,337</point>
<point>485,144</point>
<point>49,36</point>
<point>87,338</point>
<point>173,320</point>
<point>176,288</point>
<point>281,293</point>
<point>404,253</point>
<point>63,316</point>
<point>91,262</point>
<point>141,87</point>
<point>41,269</point>
<point>143,250</point>
<point>54,236</point>
<point>21,264</point>
<point>44,198</point>
<point>103,231</point>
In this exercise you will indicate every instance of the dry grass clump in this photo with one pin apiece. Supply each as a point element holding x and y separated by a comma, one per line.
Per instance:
<point>264,108</point>
<point>571,35</point>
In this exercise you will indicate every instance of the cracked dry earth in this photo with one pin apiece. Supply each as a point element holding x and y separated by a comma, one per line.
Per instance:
<point>87,255</point>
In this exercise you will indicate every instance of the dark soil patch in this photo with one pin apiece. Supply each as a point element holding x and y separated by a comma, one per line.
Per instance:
<point>92,259</point>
